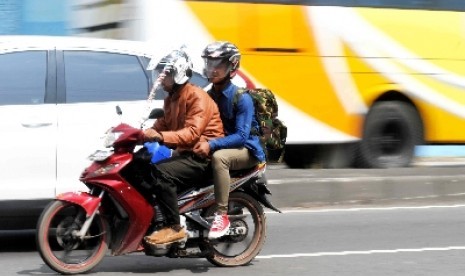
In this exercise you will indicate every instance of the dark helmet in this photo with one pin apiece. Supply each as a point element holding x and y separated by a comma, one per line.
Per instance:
<point>222,51</point>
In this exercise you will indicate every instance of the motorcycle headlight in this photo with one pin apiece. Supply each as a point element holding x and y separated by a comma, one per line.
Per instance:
<point>100,155</point>
<point>111,137</point>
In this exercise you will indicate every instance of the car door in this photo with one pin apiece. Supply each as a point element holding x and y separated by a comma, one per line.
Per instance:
<point>94,83</point>
<point>90,86</point>
<point>28,126</point>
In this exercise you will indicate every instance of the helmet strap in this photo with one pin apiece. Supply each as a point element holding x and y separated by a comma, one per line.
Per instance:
<point>232,74</point>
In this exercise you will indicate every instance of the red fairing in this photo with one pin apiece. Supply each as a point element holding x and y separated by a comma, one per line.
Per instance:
<point>139,210</point>
<point>89,202</point>
<point>131,135</point>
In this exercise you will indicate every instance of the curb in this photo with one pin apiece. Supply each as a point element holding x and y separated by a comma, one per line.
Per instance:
<point>336,188</point>
<point>438,161</point>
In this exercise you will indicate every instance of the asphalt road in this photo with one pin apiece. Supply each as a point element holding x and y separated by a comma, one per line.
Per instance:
<point>337,222</point>
<point>374,241</point>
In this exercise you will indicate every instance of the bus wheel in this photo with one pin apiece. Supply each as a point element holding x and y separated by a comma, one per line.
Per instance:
<point>391,131</point>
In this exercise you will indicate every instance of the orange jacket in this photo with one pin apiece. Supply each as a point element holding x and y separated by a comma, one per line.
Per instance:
<point>191,116</point>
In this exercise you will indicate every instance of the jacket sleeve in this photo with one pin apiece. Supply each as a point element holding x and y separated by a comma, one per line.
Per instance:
<point>198,115</point>
<point>244,115</point>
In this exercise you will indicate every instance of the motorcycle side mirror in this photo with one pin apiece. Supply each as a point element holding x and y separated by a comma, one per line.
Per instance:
<point>118,110</point>
<point>156,113</point>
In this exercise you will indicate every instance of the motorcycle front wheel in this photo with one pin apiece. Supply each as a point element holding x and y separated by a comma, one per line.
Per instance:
<point>58,244</point>
<point>247,232</point>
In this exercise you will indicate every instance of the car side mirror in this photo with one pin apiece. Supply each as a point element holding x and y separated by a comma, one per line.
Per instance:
<point>156,113</point>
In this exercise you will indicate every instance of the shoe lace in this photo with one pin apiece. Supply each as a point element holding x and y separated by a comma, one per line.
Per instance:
<point>218,222</point>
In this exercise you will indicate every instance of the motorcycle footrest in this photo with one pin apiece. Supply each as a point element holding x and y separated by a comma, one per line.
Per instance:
<point>193,252</point>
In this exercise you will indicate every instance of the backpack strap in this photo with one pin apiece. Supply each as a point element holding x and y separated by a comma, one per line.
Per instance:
<point>239,92</point>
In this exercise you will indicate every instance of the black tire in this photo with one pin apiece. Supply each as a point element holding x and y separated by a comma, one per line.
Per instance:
<point>391,132</point>
<point>240,249</point>
<point>299,156</point>
<point>59,249</point>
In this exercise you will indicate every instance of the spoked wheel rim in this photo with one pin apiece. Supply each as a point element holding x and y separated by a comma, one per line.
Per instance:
<point>249,232</point>
<point>59,245</point>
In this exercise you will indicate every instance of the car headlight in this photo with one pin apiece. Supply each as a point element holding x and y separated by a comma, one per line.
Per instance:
<point>111,137</point>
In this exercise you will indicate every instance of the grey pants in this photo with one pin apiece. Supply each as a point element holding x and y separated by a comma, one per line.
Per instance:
<point>223,161</point>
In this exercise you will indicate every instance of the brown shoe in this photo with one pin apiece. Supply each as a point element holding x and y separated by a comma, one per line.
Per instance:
<point>156,235</point>
<point>169,236</point>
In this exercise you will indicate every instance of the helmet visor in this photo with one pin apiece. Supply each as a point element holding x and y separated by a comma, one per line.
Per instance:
<point>162,70</point>
<point>216,68</point>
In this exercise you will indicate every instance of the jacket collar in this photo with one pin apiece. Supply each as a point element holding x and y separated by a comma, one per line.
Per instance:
<point>178,92</point>
<point>228,91</point>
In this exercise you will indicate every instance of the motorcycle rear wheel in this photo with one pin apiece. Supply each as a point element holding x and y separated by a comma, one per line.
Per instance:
<point>60,249</point>
<point>236,250</point>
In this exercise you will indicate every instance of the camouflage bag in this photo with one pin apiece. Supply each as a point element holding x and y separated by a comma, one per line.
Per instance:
<point>272,131</point>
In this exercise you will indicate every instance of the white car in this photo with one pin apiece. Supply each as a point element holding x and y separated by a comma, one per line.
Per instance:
<point>57,98</point>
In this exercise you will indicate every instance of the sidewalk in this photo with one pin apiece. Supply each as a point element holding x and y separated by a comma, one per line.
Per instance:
<point>438,161</point>
<point>445,155</point>
<point>429,181</point>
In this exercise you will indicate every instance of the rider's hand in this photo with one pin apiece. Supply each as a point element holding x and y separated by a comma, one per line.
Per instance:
<point>151,134</point>
<point>202,149</point>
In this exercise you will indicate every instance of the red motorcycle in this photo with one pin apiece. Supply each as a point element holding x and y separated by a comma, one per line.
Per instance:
<point>75,230</point>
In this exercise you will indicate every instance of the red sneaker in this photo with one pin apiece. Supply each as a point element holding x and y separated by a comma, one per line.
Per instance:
<point>219,227</point>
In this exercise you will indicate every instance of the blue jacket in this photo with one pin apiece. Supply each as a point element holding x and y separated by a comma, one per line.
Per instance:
<point>237,126</point>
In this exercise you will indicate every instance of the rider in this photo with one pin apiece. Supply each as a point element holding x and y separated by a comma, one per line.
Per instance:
<point>240,148</point>
<point>190,117</point>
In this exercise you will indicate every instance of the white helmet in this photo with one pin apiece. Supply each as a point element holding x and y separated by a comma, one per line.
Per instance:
<point>177,63</point>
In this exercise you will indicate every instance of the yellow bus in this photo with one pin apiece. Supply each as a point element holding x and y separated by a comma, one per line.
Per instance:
<point>362,80</point>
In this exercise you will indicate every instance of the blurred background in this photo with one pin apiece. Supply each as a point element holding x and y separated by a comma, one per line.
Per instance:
<point>105,19</point>
<point>330,230</point>
<point>124,19</point>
